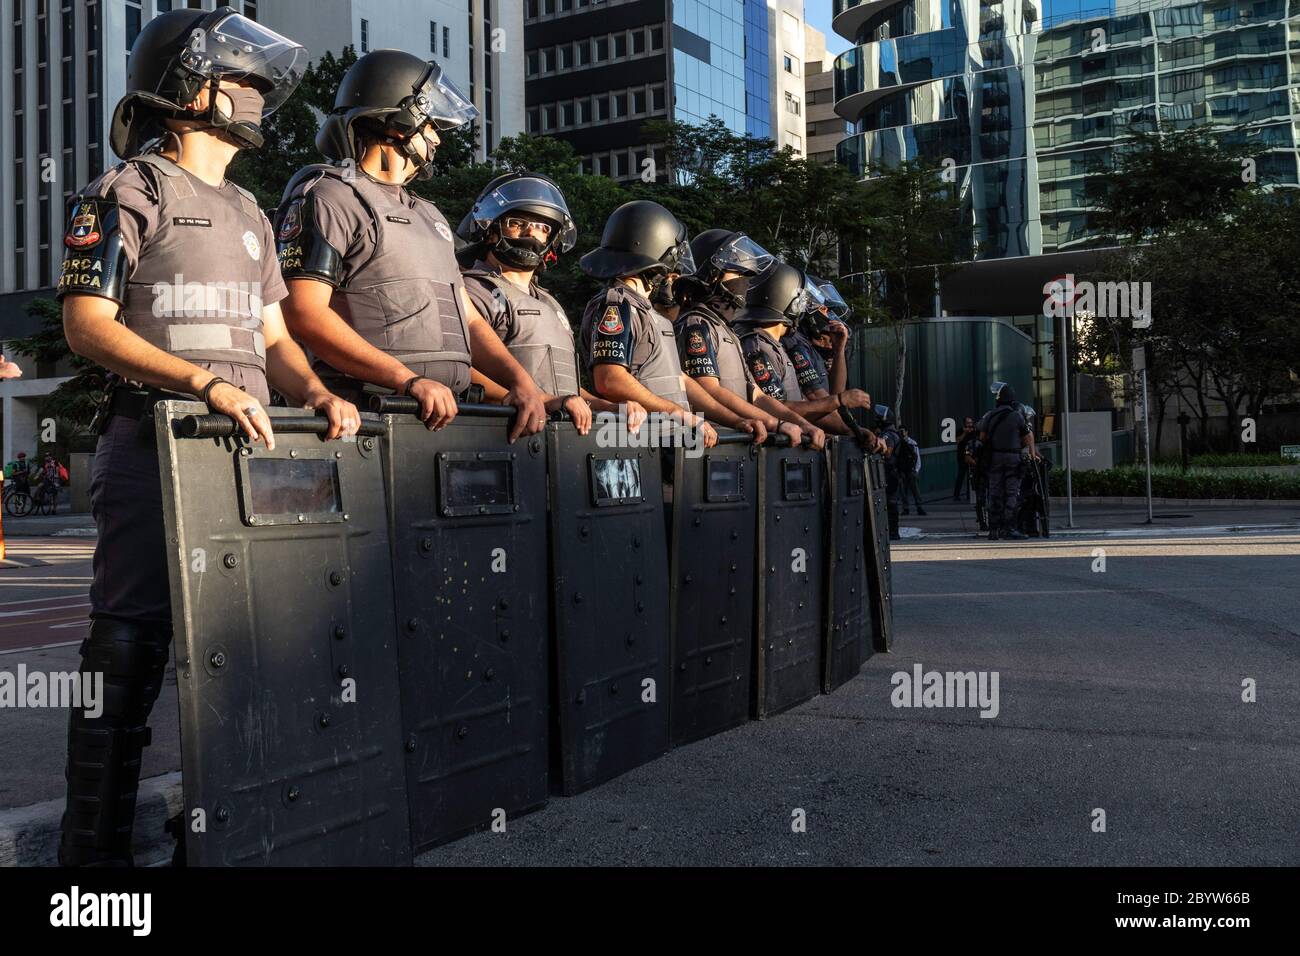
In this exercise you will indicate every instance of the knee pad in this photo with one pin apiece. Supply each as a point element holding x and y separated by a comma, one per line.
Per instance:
<point>104,753</point>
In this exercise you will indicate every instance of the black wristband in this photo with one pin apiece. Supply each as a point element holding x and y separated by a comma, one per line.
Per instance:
<point>406,386</point>
<point>207,389</point>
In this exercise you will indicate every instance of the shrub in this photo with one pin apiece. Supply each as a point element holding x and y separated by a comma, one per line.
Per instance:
<point>1167,481</point>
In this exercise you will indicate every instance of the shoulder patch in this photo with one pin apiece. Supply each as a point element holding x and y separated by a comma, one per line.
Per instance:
<point>762,370</point>
<point>800,359</point>
<point>443,230</point>
<point>291,224</point>
<point>252,246</point>
<point>695,342</point>
<point>611,323</point>
<point>84,226</point>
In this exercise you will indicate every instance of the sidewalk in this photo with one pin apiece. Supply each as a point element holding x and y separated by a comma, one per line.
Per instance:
<point>947,518</point>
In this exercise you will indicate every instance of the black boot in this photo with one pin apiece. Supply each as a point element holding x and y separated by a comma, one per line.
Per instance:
<point>104,753</point>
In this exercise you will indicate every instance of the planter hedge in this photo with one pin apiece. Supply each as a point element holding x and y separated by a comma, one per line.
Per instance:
<point>1169,482</point>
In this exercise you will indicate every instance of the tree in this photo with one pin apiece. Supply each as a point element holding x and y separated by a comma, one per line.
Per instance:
<point>914,232</point>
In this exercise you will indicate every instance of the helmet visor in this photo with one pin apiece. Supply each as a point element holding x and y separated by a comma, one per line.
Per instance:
<point>835,303</point>
<point>239,49</point>
<point>528,196</point>
<point>684,262</point>
<point>441,102</point>
<point>742,254</point>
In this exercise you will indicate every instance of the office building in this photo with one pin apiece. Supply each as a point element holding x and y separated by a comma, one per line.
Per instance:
<point>825,128</point>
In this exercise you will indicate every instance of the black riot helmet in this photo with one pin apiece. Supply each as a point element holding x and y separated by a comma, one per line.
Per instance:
<point>391,95</point>
<point>719,251</point>
<point>640,236</point>
<point>529,195</point>
<point>778,296</point>
<point>180,53</point>
<point>884,416</point>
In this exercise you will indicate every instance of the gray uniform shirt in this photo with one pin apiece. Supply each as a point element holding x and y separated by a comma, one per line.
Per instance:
<point>1007,428</point>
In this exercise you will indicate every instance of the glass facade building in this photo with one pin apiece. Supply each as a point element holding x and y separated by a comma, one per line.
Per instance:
<point>1026,101</point>
<point>597,70</point>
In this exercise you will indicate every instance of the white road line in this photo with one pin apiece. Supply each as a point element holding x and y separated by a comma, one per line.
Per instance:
<point>39,647</point>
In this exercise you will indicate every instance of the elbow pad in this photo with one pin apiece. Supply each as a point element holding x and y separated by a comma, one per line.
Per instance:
<point>94,258</point>
<point>302,249</point>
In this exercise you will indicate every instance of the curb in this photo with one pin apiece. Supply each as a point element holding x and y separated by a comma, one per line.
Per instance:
<point>1117,532</point>
<point>29,836</point>
<point>1183,502</point>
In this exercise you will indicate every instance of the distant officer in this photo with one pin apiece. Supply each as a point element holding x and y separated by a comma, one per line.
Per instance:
<point>628,347</point>
<point>374,288</point>
<point>1004,433</point>
<point>774,304</point>
<point>710,349</point>
<point>198,87</point>
<point>890,440</point>
<point>518,224</point>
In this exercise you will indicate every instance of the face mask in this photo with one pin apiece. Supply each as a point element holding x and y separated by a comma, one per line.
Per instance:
<point>247,105</point>
<point>524,252</point>
<point>663,295</point>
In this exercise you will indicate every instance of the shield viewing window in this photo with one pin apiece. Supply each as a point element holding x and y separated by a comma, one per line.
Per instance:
<point>724,479</point>
<point>857,477</point>
<point>615,480</point>
<point>303,489</point>
<point>796,480</point>
<point>476,483</point>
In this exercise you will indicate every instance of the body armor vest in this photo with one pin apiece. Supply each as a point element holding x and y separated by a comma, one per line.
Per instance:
<point>732,369</point>
<point>539,338</point>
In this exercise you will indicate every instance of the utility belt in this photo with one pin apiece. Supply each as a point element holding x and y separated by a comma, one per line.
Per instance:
<point>134,403</point>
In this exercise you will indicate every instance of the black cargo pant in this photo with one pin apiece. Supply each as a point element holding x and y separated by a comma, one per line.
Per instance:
<point>1004,489</point>
<point>130,637</point>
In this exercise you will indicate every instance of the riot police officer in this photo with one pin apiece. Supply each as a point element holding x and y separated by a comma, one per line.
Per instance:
<point>1004,432</point>
<point>374,288</point>
<point>629,347</point>
<point>890,439</point>
<point>168,281</point>
<point>774,304</point>
<point>710,349</point>
<point>518,224</point>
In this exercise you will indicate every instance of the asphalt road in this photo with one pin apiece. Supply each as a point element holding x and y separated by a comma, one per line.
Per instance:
<point>1119,690</point>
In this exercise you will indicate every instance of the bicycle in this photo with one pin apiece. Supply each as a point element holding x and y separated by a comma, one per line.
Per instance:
<point>45,498</point>
<point>17,501</point>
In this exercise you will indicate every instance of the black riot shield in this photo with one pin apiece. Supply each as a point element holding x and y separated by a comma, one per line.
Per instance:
<point>286,662</point>
<point>715,496</point>
<point>879,577</point>
<point>848,607</point>
<point>468,525</point>
<point>790,595</point>
<point>610,566</point>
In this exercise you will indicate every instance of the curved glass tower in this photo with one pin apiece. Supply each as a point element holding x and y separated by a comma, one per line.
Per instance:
<point>944,81</point>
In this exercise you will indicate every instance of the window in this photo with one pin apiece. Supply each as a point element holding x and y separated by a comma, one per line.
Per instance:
<point>566,5</point>
<point>550,116</point>
<point>132,24</point>
<point>365,35</point>
<point>548,60</point>
<point>433,37</point>
<point>583,47</point>
<point>792,104</point>
<point>638,102</point>
<point>656,38</point>
<point>446,41</point>
<point>566,56</point>
<point>788,62</point>
<point>620,164</point>
<point>531,10</point>
<point>584,111</point>
<point>534,62</point>
<point>548,7</point>
<point>250,9</point>
<point>620,105</point>
<point>657,98</point>
<point>567,113</point>
<point>620,46</point>
<point>532,120</point>
<point>790,24</point>
<point>638,41</point>
<point>601,104</point>
<point>601,164</point>
<point>795,142</point>
<point>602,49</point>
<point>164,6</point>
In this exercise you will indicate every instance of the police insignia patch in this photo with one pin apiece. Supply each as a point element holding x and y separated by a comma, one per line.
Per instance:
<point>291,225</point>
<point>252,246</point>
<point>801,361</point>
<point>84,229</point>
<point>443,230</point>
<point>761,370</point>
<point>695,343</point>
<point>611,323</point>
